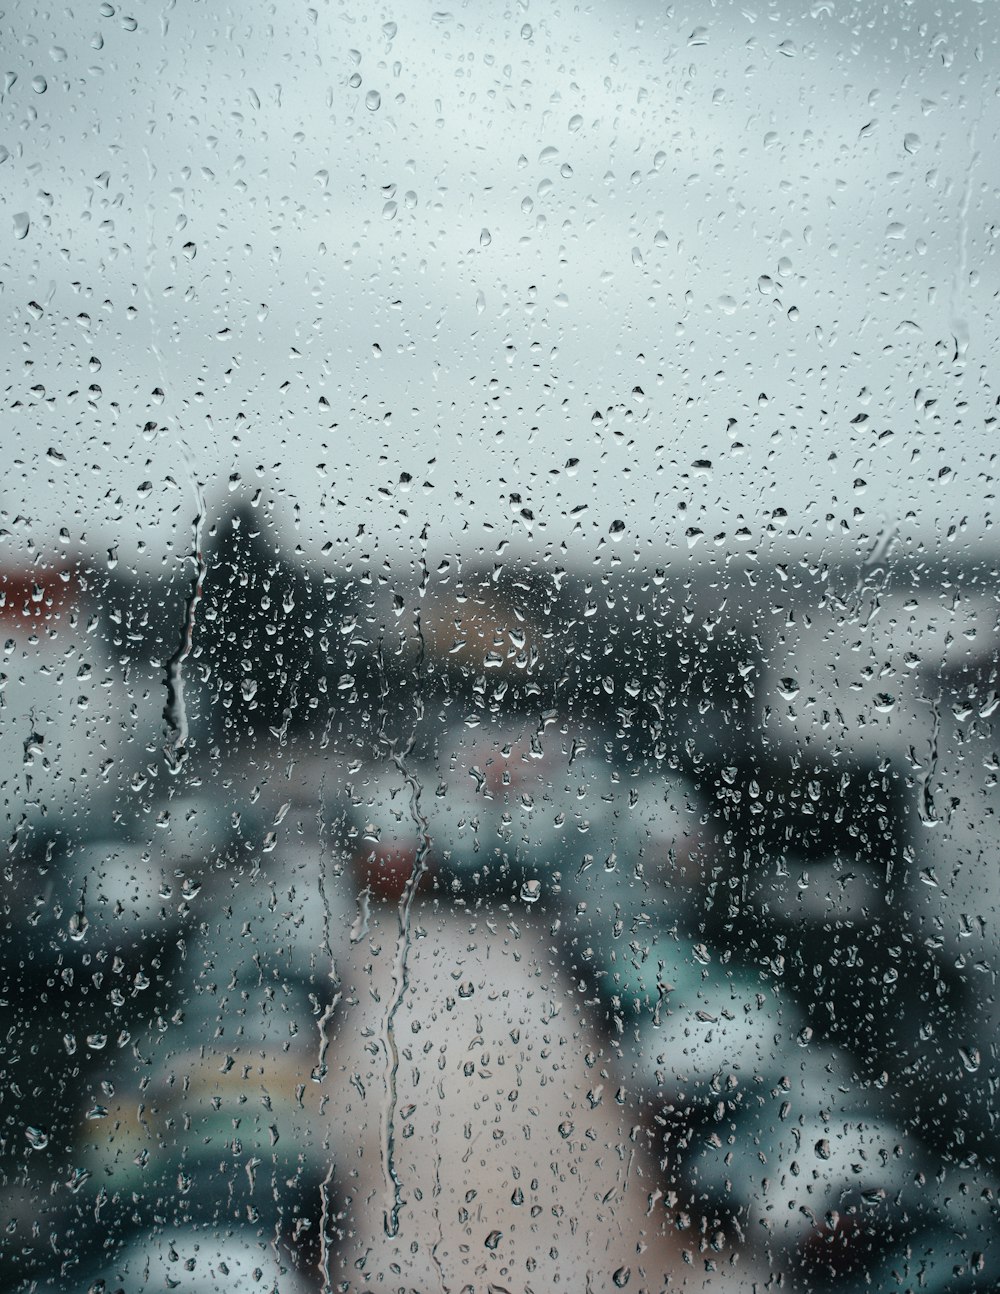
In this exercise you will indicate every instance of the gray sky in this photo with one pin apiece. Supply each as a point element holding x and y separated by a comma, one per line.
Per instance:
<point>397,267</point>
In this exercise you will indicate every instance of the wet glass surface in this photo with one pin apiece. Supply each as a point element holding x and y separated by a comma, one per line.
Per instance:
<point>500,648</point>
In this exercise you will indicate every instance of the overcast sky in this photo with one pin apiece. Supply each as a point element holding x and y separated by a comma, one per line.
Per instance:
<point>671,279</point>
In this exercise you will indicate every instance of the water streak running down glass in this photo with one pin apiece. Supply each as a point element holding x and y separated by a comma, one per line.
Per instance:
<point>501,648</point>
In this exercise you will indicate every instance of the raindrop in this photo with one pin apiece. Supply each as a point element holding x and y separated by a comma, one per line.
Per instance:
<point>531,891</point>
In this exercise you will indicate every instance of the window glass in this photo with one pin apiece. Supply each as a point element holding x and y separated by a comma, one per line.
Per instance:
<point>498,585</point>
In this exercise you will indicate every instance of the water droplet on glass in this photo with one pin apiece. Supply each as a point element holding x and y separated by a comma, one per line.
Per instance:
<point>373,100</point>
<point>22,224</point>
